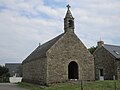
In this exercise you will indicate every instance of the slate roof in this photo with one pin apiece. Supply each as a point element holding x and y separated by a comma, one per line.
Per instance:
<point>41,50</point>
<point>13,67</point>
<point>114,50</point>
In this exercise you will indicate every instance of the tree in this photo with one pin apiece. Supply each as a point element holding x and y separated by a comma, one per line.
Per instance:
<point>3,70</point>
<point>92,49</point>
<point>4,74</point>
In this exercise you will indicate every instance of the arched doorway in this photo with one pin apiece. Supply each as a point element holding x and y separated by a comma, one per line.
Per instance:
<point>73,70</point>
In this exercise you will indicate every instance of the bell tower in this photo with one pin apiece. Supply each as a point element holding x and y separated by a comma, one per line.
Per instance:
<point>68,21</point>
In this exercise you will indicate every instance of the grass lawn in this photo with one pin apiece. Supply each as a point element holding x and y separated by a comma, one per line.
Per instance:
<point>97,85</point>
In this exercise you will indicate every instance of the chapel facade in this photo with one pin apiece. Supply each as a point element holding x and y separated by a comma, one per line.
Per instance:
<point>61,59</point>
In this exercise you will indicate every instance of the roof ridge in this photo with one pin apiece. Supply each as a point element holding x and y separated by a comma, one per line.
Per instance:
<point>41,50</point>
<point>112,45</point>
<point>52,39</point>
<point>114,50</point>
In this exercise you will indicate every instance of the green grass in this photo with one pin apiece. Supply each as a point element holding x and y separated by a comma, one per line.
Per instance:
<point>97,85</point>
<point>29,86</point>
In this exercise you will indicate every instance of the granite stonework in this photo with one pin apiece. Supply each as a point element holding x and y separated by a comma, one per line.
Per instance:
<point>67,49</point>
<point>52,61</point>
<point>106,61</point>
<point>118,69</point>
<point>35,71</point>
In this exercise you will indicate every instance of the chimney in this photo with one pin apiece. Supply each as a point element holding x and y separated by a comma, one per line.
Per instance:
<point>100,43</point>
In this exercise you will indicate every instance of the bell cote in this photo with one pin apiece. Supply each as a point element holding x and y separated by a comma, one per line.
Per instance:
<point>68,21</point>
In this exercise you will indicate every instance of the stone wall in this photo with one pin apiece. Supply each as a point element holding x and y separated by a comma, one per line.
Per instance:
<point>54,68</point>
<point>35,71</point>
<point>118,69</point>
<point>69,48</point>
<point>104,60</point>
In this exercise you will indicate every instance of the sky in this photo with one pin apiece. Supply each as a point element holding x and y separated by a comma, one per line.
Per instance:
<point>26,23</point>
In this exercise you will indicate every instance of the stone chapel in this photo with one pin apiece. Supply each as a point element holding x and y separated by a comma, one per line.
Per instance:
<point>61,59</point>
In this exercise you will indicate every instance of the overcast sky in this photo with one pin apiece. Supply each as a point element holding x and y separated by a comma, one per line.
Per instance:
<point>26,23</point>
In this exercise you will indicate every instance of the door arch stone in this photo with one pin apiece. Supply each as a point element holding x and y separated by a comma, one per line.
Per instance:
<point>73,70</point>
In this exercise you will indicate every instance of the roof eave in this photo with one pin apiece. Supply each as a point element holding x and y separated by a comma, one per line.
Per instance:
<point>117,58</point>
<point>26,61</point>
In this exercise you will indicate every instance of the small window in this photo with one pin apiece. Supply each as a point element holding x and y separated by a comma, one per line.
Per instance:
<point>117,52</point>
<point>71,24</point>
<point>101,72</point>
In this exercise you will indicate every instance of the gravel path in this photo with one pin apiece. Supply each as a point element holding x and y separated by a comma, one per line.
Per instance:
<point>9,86</point>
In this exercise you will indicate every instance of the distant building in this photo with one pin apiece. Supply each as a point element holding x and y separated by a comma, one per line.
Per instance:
<point>13,68</point>
<point>107,61</point>
<point>61,59</point>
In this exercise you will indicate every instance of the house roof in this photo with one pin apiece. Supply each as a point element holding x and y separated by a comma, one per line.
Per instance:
<point>41,50</point>
<point>13,67</point>
<point>114,50</point>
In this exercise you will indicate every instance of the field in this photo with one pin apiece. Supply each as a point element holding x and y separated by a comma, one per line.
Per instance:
<point>97,85</point>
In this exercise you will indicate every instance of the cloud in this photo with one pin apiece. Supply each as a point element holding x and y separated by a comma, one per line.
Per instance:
<point>21,33</point>
<point>26,23</point>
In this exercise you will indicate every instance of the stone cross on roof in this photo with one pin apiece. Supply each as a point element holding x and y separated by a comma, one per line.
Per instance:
<point>68,6</point>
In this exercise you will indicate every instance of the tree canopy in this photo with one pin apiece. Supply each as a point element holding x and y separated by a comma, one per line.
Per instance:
<point>92,49</point>
<point>4,74</point>
<point>3,70</point>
